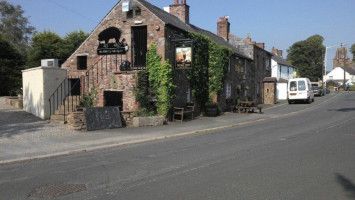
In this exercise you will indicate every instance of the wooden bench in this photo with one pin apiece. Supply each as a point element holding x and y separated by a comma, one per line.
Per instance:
<point>184,111</point>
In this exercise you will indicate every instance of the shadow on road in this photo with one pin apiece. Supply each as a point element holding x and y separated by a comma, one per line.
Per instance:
<point>343,109</point>
<point>347,184</point>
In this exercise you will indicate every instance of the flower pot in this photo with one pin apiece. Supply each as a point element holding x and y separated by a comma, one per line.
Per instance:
<point>211,111</point>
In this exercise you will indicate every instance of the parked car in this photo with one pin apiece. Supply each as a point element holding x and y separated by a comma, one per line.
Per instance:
<point>317,91</point>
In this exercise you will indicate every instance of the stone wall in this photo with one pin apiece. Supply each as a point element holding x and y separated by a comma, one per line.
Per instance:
<point>269,92</point>
<point>107,67</point>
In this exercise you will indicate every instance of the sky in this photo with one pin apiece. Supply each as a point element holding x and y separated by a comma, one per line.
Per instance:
<point>277,23</point>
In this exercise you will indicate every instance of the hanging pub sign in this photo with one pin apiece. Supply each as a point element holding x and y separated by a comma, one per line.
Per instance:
<point>106,48</point>
<point>183,55</point>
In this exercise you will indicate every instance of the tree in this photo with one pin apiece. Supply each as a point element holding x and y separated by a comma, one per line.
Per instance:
<point>11,64</point>
<point>44,45</point>
<point>71,42</point>
<point>352,50</point>
<point>307,56</point>
<point>14,26</point>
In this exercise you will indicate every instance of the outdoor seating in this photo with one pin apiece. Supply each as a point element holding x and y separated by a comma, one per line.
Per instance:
<point>184,111</point>
<point>246,107</point>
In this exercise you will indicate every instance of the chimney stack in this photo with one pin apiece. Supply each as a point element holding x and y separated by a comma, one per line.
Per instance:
<point>248,39</point>
<point>261,45</point>
<point>223,27</point>
<point>276,51</point>
<point>181,10</point>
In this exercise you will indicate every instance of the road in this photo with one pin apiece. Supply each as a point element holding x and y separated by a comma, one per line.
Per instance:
<point>307,154</point>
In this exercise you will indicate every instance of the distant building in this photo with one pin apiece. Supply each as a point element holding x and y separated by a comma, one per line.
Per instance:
<point>280,67</point>
<point>341,58</point>
<point>337,76</point>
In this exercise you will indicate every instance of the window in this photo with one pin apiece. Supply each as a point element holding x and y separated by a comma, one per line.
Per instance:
<point>82,62</point>
<point>188,95</point>
<point>301,86</point>
<point>138,12</point>
<point>229,91</point>
<point>245,67</point>
<point>229,65</point>
<point>293,86</point>
<point>130,14</point>
<point>267,64</point>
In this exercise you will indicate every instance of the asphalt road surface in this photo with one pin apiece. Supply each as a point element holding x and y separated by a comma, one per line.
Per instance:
<point>308,154</point>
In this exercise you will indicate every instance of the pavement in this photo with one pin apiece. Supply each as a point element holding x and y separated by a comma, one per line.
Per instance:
<point>24,137</point>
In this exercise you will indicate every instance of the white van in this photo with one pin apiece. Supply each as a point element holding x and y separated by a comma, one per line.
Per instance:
<point>300,89</point>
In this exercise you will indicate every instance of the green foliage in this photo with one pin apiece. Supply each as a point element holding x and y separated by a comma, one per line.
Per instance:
<point>161,81</point>
<point>47,44</point>
<point>352,50</point>
<point>89,99</point>
<point>143,112</point>
<point>157,83</point>
<point>210,67</point>
<point>44,45</point>
<point>218,66</point>
<point>198,76</point>
<point>142,93</point>
<point>14,26</point>
<point>71,42</point>
<point>307,56</point>
<point>11,64</point>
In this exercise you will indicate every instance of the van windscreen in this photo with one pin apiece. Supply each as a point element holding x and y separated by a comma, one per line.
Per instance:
<point>293,86</point>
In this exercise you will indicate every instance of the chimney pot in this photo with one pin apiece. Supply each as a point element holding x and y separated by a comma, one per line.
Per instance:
<point>223,28</point>
<point>182,11</point>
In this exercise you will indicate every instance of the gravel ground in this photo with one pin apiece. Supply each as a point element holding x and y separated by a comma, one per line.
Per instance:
<point>16,124</point>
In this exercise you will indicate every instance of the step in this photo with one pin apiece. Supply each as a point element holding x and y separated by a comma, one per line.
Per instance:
<point>57,117</point>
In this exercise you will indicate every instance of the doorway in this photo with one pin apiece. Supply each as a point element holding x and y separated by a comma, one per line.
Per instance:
<point>75,86</point>
<point>113,98</point>
<point>139,43</point>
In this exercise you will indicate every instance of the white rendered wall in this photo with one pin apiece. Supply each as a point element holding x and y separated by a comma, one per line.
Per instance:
<point>38,85</point>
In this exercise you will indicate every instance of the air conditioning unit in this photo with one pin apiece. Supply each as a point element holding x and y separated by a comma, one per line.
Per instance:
<point>49,63</point>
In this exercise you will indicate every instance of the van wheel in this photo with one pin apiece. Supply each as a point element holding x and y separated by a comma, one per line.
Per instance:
<point>309,100</point>
<point>289,102</point>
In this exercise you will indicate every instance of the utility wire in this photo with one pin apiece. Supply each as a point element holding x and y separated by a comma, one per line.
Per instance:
<point>73,11</point>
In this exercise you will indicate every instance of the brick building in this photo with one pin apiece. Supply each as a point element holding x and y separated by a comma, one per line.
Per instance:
<point>140,24</point>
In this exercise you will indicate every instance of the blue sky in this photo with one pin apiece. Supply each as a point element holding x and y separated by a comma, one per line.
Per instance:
<point>278,23</point>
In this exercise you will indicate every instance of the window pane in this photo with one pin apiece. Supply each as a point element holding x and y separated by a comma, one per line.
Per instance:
<point>82,62</point>
<point>301,86</point>
<point>293,86</point>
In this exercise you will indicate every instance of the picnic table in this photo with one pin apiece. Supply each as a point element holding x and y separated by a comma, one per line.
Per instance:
<point>246,107</point>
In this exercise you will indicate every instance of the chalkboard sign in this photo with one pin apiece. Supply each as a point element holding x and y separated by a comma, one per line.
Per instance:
<point>102,118</point>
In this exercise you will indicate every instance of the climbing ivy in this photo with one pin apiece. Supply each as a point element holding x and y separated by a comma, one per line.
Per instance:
<point>156,84</point>
<point>198,76</point>
<point>211,62</point>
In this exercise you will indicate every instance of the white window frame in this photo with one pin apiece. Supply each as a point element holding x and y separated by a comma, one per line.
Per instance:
<point>228,90</point>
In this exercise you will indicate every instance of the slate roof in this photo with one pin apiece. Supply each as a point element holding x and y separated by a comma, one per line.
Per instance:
<point>245,48</point>
<point>280,60</point>
<point>176,22</point>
